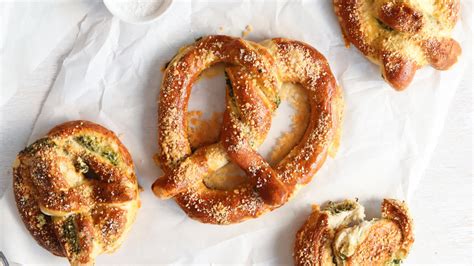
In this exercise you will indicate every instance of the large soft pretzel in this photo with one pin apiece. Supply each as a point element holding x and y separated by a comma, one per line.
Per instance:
<point>76,191</point>
<point>401,35</point>
<point>254,78</point>
<point>338,235</point>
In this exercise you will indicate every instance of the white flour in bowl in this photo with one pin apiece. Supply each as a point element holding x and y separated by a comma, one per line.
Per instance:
<point>138,8</point>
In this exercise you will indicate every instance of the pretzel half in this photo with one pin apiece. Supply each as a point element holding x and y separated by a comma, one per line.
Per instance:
<point>255,73</point>
<point>338,235</point>
<point>401,35</point>
<point>76,191</point>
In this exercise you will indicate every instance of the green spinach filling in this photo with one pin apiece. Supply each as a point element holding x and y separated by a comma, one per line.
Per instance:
<point>396,262</point>
<point>88,142</point>
<point>38,145</point>
<point>111,156</point>
<point>336,208</point>
<point>277,101</point>
<point>70,234</point>
<point>92,144</point>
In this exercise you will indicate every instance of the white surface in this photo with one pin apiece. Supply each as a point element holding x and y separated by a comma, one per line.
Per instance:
<point>445,192</point>
<point>62,16</point>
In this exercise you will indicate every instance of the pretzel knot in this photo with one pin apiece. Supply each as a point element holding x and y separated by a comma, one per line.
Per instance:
<point>255,73</point>
<point>76,191</point>
<point>401,35</point>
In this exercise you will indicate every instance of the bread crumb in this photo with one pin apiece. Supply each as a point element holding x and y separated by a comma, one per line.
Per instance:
<point>248,29</point>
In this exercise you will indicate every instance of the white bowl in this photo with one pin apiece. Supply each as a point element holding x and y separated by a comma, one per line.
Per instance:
<point>114,6</point>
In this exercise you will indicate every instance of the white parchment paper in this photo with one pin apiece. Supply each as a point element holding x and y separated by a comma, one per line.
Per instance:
<point>22,28</point>
<point>112,76</point>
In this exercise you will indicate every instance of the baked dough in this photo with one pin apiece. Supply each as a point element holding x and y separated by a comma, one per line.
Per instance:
<point>255,73</point>
<point>401,35</point>
<point>337,234</point>
<point>76,191</point>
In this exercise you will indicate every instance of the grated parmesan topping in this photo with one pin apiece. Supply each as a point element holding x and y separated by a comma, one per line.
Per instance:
<point>255,72</point>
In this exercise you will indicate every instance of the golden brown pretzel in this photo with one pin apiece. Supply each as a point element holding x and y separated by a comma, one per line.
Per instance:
<point>338,235</point>
<point>76,191</point>
<point>401,35</point>
<point>246,122</point>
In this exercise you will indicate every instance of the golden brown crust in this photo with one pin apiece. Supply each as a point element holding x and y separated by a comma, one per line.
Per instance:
<point>313,240</point>
<point>76,191</point>
<point>300,63</point>
<point>397,212</point>
<point>38,224</point>
<point>348,240</point>
<point>255,73</point>
<point>401,35</point>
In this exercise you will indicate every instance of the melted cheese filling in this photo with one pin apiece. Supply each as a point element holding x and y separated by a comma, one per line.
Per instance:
<point>347,240</point>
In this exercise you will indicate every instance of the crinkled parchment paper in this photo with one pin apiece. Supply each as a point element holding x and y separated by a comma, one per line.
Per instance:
<point>112,76</point>
<point>19,21</point>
